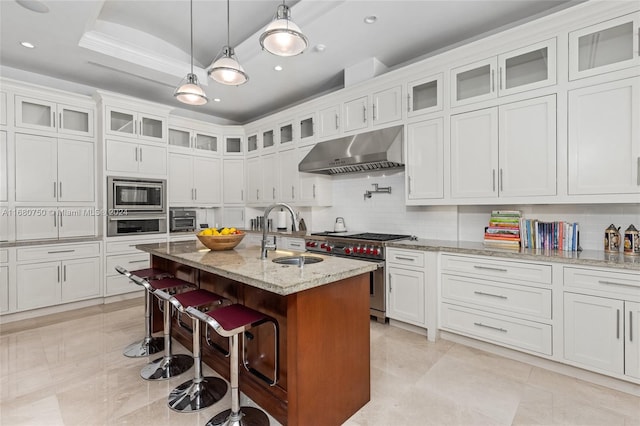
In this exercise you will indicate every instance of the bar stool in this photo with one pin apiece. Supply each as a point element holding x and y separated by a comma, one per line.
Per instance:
<point>169,365</point>
<point>200,392</point>
<point>230,321</point>
<point>149,345</point>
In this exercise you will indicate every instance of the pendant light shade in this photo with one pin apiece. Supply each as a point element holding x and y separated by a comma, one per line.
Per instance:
<point>225,68</point>
<point>282,36</point>
<point>189,91</point>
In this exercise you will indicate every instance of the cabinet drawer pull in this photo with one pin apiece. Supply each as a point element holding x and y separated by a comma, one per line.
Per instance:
<point>499,296</point>
<point>479,324</point>
<point>60,251</point>
<point>488,268</point>
<point>405,258</point>
<point>615,283</point>
<point>138,261</point>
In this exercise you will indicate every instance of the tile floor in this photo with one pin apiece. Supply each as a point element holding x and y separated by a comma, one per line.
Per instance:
<point>68,369</point>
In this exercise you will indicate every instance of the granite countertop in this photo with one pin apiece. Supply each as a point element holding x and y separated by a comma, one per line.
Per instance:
<point>243,264</point>
<point>595,258</point>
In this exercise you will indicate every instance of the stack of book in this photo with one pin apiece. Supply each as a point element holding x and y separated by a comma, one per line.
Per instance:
<point>564,236</point>
<point>504,229</point>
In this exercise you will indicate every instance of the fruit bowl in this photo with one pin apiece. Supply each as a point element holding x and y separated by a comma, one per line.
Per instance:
<point>221,242</point>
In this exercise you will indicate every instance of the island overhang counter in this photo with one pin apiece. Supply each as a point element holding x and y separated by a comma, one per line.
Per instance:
<point>322,311</point>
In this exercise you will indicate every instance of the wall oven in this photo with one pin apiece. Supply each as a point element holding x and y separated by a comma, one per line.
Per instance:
<point>136,206</point>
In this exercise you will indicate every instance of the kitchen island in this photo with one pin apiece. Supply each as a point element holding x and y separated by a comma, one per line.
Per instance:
<point>322,311</point>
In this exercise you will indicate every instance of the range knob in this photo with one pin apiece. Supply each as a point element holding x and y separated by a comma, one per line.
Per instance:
<point>311,244</point>
<point>360,250</point>
<point>376,251</point>
<point>328,248</point>
<point>369,250</point>
<point>323,245</point>
<point>348,250</point>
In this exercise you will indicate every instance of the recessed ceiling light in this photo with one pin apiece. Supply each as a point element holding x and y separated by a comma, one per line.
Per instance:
<point>33,5</point>
<point>320,47</point>
<point>370,19</point>
<point>27,44</point>
<point>216,99</point>
<point>278,68</point>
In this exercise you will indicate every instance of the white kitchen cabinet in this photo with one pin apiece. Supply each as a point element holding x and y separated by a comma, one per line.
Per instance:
<point>254,180</point>
<point>128,157</point>
<point>62,274</point>
<point>270,184</point>
<point>4,168</point>
<point>289,175</point>
<point>406,286</point>
<point>355,114</point>
<point>307,128</point>
<point>329,121</point>
<point>3,109</point>
<point>194,181</point>
<point>122,252</point>
<point>4,289</point>
<point>35,223</point>
<point>233,179</point>
<point>632,339</point>
<point>424,96</point>
<point>233,145</point>
<point>40,114</point>
<point>233,217</point>
<point>49,169</point>
<point>192,141</point>
<point>498,300</point>
<point>314,189</point>
<point>425,160</point>
<point>604,138</point>
<point>604,47</point>
<point>527,68</point>
<point>508,151</point>
<point>135,124</point>
<point>386,106</point>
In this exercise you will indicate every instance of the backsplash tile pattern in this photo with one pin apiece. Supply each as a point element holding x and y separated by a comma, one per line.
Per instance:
<point>388,213</point>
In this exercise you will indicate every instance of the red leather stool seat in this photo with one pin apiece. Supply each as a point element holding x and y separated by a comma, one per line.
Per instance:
<point>169,283</point>
<point>197,298</point>
<point>236,316</point>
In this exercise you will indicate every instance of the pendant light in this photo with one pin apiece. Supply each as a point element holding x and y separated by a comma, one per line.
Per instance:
<point>189,91</point>
<point>225,68</point>
<point>282,36</point>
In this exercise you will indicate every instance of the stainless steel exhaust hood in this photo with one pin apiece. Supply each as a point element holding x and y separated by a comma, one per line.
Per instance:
<point>370,151</point>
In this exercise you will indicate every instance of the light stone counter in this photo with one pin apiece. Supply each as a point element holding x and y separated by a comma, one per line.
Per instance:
<point>595,258</point>
<point>244,265</point>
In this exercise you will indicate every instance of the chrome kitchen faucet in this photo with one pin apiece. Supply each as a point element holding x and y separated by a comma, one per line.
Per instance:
<point>265,246</point>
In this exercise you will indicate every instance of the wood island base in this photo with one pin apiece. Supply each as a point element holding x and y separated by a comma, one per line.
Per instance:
<point>324,354</point>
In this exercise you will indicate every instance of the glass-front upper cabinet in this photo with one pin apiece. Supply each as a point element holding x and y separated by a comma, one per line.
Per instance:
<point>206,142</point>
<point>252,143</point>
<point>286,133</point>
<point>268,139</point>
<point>424,96</point>
<point>179,138</point>
<point>233,145</point>
<point>604,47</point>
<point>122,122</point>
<point>307,130</point>
<point>44,115</point>
<point>527,68</point>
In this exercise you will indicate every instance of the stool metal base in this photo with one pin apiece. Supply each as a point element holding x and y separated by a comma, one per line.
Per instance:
<point>248,416</point>
<point>167,367</point>
<point>191,396</point>
<point>145,347</point>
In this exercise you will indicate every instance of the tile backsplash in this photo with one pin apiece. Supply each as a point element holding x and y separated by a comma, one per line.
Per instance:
<point>388,213</point>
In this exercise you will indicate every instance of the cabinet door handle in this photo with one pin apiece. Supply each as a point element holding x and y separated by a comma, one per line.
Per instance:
<point>500,180</point>
<point>60,213</point>
<point>390,287</point>
<point>58,273</point>
<point>617,323</point>
<point>242,195</point>
<point>493,180</point>
<point>293,192</point>
<point>630,326</point>
<point>273,193</point>
<point>500,78</point>
<point>60,189</point>
<point>242,215</point>
<point>408,102</point>
<point>195,193</point>
<point>53,119</point>
<point>64,273</point>
<point>499,296</point>
<point>257,194</point>
<point>375,116</point>
<point>488,268</point>
<point>55,220</point>
<point>314,191</point>
<point>615,283</point>
<point>409,184</point>
<point>337,122</point>
<point>60,121</point>
<point>141,154</point>
<point>136,154</point>
<point>60,251</point>
<point>364,113</point>
<point>55,190</point>
<point>479,324</point>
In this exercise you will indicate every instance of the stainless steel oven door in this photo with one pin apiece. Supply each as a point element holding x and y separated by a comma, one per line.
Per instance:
<point>377,293</point>
<point>136,225</point>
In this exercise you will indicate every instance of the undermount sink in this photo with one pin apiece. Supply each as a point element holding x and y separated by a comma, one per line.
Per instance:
<point>297,260</point>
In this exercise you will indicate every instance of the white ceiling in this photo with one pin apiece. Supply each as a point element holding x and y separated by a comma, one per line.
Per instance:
<point>141,47</point>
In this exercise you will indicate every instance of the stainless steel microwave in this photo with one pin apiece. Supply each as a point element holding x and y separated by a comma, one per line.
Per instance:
<point>132,195</point>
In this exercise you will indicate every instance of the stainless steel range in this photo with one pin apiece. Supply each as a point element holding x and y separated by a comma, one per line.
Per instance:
<point>363,246</point>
